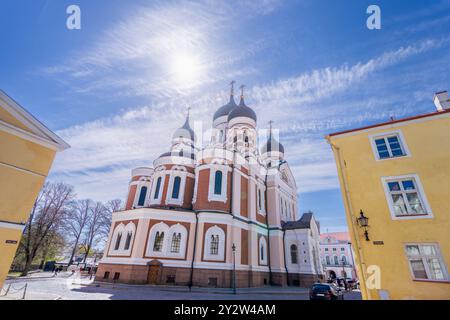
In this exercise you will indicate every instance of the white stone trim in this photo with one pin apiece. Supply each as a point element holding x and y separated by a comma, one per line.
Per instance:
<point>124,229</point>
<point>214,230</point>
<point>11,225</point>
<point>162,175</point>
<point>212,173</point>
<point>177,201</point>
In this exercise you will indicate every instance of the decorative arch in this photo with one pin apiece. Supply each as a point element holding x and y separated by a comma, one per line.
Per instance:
<point>262,247</point>
<point>123,239</point>
<point>214,246</point>
<point>177,241</point>
<point>157,240</point>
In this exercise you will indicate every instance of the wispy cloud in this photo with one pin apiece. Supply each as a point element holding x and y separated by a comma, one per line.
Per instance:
<point>104,151</point>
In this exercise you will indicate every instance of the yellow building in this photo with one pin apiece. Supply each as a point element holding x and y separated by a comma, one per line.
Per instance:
<point>398,174</point>
<point>27,150</point>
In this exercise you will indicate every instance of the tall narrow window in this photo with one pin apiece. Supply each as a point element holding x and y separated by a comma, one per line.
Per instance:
<point>294,254</point>
<point>218,182</point>
<point>176,187</point>
<point>327,259</point>
<point>158,186</point>
<point>259,199</point>
<point>214,248</point>
<point>128,240</point>
<point>176,242</point>
<point>336,260</point>
<point>262,253</point>
<point>344,260</point>
<point>142,196</point>
<point>159,239</point>
<point>119,238</point>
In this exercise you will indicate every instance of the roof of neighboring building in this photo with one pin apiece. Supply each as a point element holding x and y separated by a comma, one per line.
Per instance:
<point>340,236</point>
<point>303,223</point>
<point>391,122</point>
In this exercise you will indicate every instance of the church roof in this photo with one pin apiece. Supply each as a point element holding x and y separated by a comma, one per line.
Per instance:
<point>242,111</point>
<point>303,223</point>
<point>225,109</point>
<point>272,144</point>
<point>185,131</point>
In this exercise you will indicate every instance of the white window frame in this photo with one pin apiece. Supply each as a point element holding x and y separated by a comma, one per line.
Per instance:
<point>212,175</point>
<point>421,193</point>
<point>401,140</point>
<point>263,244</point>
<point>124,229</point>
<point>157,200</point>
<point>161,227</point>
<point>139,187</point>
<point>262,210</point>
<point>220,256</point>
<point>180,200</point>
<point>425,263</point>
<point>177,228</point>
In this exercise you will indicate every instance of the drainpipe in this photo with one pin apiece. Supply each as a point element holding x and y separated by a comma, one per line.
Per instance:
<point>340,165</point>
<point>284,257</point>
<point>193,253</point>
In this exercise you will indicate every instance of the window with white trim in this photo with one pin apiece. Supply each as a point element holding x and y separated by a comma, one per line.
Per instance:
<point>142,195</point>
<point>405,196</point>
<point>214,247</point>
<point>217,190</point>
<point>388,146</point>
<point>157,188</point>
<point>262,251</point>
<point>294,254</point>
<point>426,262</point>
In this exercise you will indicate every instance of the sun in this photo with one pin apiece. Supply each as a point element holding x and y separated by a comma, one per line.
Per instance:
<point>185,68</point>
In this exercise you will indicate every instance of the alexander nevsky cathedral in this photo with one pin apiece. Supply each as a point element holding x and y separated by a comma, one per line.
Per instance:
<point>222,215</point>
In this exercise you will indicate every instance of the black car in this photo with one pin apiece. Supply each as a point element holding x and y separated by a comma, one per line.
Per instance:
<point>325,291</point>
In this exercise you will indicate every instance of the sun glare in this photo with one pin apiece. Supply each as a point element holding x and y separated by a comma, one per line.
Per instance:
<point>186,69</point>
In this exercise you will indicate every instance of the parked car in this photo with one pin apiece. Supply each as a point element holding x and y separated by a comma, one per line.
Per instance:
<point>325,291</point>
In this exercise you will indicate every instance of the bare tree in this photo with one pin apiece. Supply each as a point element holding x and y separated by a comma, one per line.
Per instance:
<point>94,226</point>
<point>76,223</point>
<point>48,210</point>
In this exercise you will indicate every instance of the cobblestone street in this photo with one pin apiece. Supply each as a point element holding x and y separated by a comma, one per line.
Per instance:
<point>44,286</point>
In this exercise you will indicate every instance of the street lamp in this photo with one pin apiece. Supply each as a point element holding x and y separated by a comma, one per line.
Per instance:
<point>363,222</point>
<point>234,268</point>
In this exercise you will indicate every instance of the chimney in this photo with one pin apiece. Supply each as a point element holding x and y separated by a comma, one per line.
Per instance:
<point>441,101</point>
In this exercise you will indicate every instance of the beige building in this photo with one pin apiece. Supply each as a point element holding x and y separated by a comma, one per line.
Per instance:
<point>27,150</point>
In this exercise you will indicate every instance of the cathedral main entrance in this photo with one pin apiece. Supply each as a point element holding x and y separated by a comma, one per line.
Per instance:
<point>154,272</point>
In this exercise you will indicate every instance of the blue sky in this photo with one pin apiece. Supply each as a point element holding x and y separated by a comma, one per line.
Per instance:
<point>114,90</point>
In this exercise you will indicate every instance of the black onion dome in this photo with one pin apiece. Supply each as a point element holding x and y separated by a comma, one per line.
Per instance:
<point>225,109</point>
<point>185,131</point>
<point>242,111</point>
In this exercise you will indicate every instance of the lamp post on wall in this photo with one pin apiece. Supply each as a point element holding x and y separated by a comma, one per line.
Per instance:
<point>234,268</point>
<point>363,222</point>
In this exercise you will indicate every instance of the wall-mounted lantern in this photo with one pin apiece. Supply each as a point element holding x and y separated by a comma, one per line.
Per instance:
<point>363,222</point>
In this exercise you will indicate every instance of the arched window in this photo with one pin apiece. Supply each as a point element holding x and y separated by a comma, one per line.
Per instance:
<point>336,260</point>
<point>262,250</point>
<point>128,240</point>
<point>118,239</point>
<point>246,139</point>
<point>344,260</point>
<point>159,240</point>
<point>218,183</point>
<point>158,186</point>
<point>142,196</point>
<point>327,259</point>
<point>176,243</point>
<point>294,254</point>
<point>176,188</point>
<point>214,246</point>
<point>259,199</point>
